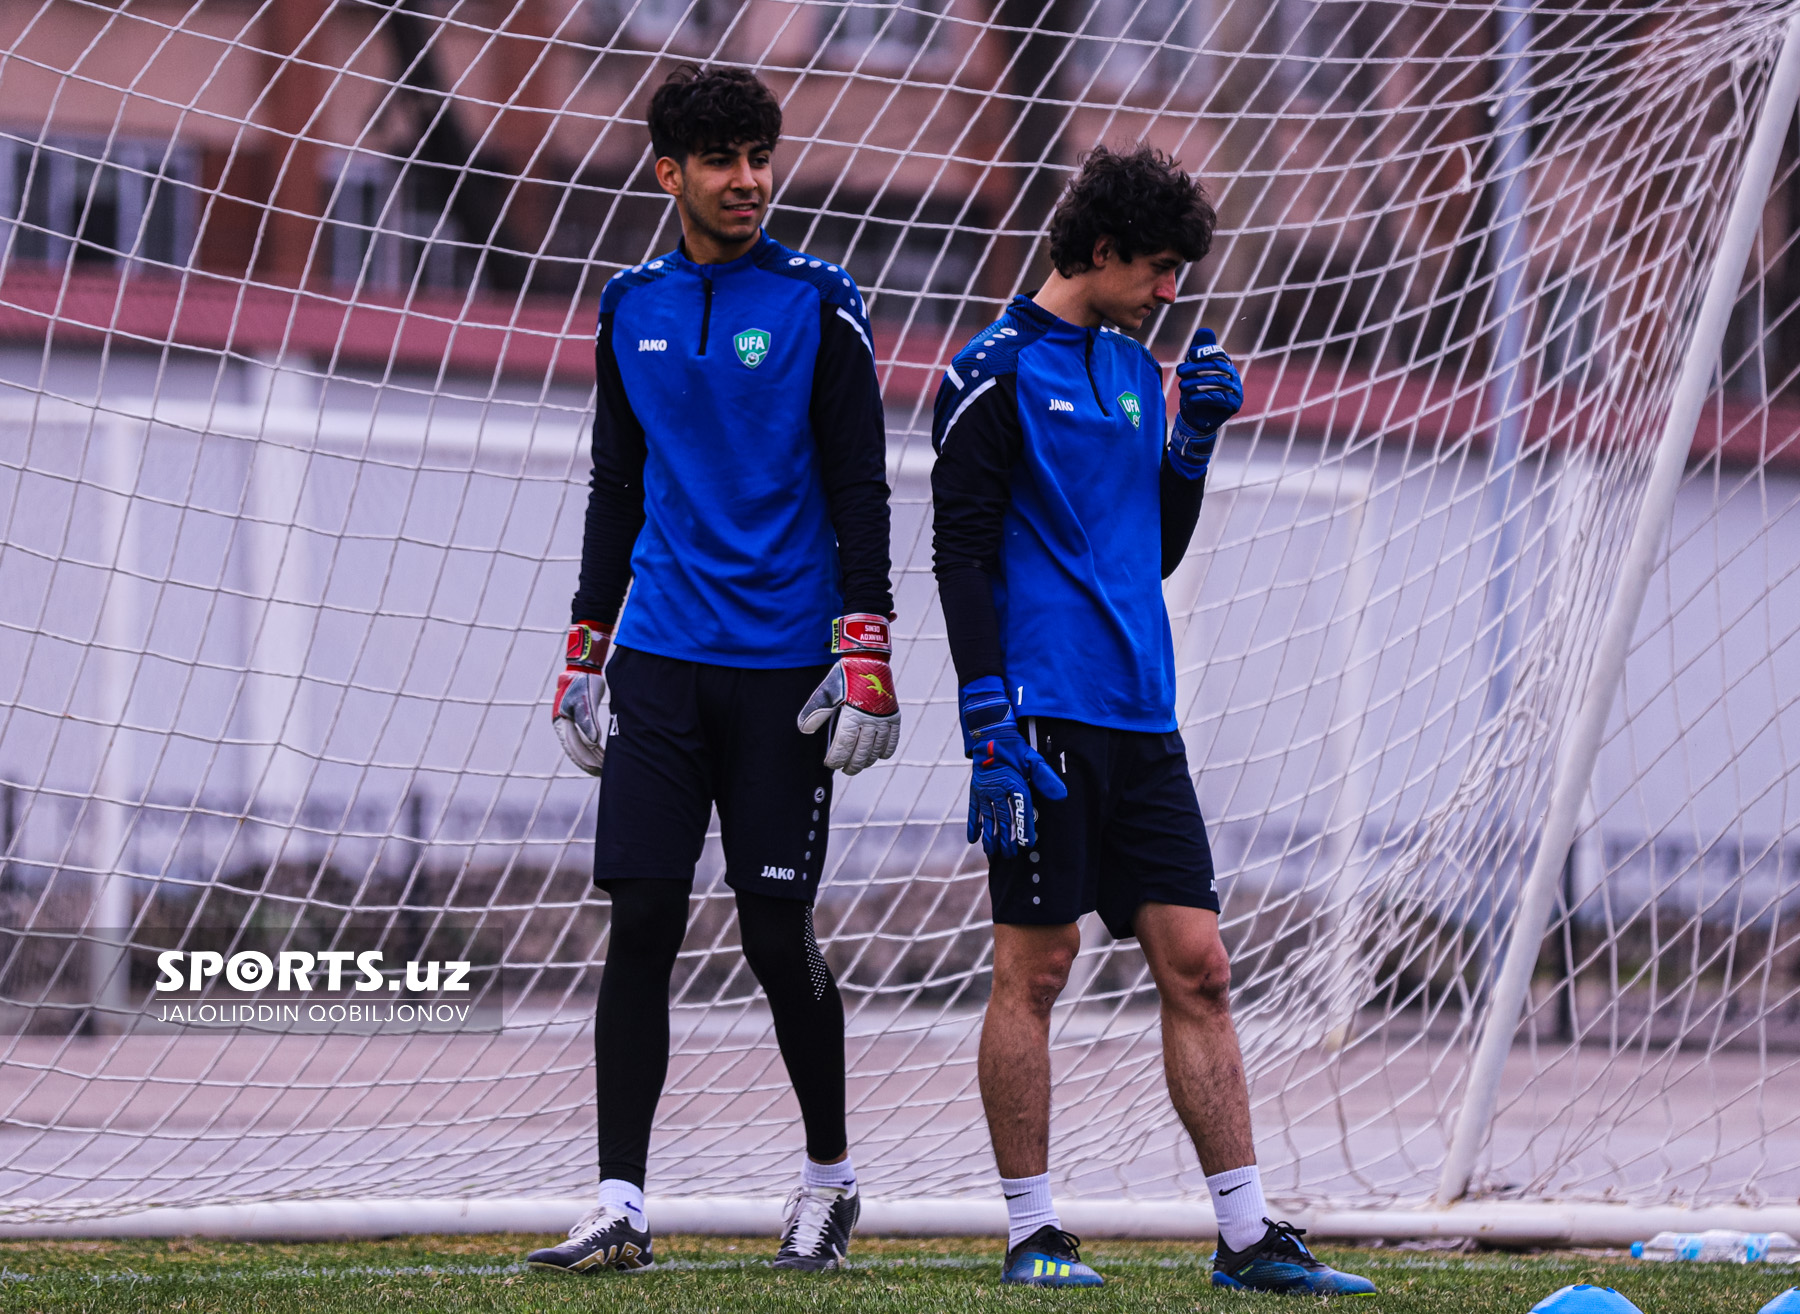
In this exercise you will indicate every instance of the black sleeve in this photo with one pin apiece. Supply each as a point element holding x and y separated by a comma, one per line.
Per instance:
<point>615,510</point>
<point>971,487</point>
<point>851,434</point>
<point>1181,498</point>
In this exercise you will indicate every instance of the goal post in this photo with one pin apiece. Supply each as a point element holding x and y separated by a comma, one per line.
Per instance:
<point>1484,644</point>
<point>1578,752</point>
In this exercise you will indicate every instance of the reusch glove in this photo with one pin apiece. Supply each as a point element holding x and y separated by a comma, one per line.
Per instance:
<point>1007,769</point>
<point>1211,393</point>
<point>579,689</point>
<point>859,694</point>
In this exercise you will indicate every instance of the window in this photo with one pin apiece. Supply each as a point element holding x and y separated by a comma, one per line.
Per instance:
<point>1126,46</point>
<point>98,204</point>
<point>1571,331</point>
<point>1318,45</point>
<point>682,23</point>
<point>887,32</point>
<point>388,229</point>
<point>360,251</point>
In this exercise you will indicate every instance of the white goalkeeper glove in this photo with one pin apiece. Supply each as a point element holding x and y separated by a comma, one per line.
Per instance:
<point>856,697</point>
<point>579,689</point>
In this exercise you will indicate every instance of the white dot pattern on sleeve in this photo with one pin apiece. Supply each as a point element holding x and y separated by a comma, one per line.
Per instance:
<point>815,961</point>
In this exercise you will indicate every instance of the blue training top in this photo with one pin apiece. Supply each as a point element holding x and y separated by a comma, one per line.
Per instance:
<point>1048,482</point>
<point>739,456</point>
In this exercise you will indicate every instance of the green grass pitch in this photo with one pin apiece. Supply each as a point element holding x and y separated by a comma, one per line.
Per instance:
<point>701,1274</point>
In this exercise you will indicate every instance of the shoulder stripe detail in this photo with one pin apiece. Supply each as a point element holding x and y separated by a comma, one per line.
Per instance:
<point>626,279</point>
<point>832,282</point>
<point>854,323</point>
<point>955,378</point>
<point>995,350</point>
<point>962,406</point>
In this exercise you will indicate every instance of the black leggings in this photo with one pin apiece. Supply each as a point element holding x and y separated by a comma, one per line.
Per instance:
<point>631,1029</point>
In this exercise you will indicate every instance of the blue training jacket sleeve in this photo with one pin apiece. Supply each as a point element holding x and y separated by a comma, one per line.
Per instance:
<point>978,441</point>
<point>615,509</point>
<point>851,435</point>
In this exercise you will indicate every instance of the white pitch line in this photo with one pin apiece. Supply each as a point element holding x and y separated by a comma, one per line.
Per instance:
<point>952,1262</point>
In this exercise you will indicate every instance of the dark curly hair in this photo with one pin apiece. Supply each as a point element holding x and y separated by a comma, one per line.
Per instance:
<point>701,109</point>
<point>1139,200</point>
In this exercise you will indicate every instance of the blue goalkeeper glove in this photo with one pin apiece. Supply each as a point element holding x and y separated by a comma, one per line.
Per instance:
<point>1007,769</point>
<point>1211,393</point>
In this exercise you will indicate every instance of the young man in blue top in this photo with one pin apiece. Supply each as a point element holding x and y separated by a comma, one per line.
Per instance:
<point>1060,509</point>
<point>739,490</point>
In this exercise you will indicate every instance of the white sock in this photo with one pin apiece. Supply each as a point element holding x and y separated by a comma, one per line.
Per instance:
<point>839,1176</point>
<point>629,1196</point>
<point>1238,1203</point>
<point>1028,1206</point>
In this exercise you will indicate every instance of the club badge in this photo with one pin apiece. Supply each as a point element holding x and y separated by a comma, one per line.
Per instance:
<point>1133,408</point>
<point>752,346</point>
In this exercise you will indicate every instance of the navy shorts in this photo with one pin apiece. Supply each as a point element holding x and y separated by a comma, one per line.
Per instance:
<point>685,737</point>
<point>1129,833</point>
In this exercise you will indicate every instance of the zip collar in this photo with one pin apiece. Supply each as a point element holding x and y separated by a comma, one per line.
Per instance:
<point>1055,328</point>
<point>678,259</point>
<point>1059,330</point>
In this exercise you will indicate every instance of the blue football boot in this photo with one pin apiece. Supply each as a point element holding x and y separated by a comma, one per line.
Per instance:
<point>1049,1257</point>
<point>1280,1262</point>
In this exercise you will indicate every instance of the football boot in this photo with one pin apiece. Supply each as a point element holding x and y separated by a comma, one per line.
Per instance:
<point>1280,1262</point>
<point>1049,1257</point>
<point>604,1240</point>
<point>817,1233</point>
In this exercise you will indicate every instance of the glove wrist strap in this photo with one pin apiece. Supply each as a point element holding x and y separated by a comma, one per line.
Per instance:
<point>1187,433</point>
<point>861,632</point>
<point>984,709</point>
<point>586,647</point>
<point>1190,451</point>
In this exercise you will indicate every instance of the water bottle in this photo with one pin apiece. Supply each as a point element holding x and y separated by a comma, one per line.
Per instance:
<point>1719,1246</point>
<point>1776,1248</point>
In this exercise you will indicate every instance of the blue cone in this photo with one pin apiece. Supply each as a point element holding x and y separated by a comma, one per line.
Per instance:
<point>1788,1302</point>
<point>1584,1299</point>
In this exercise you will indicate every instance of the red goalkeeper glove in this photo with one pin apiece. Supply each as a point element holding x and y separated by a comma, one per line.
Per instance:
<point>857,697</point>
<point>579,689</point>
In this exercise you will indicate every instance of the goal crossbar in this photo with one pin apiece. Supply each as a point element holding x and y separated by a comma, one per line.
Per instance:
<point>1499,1224</point>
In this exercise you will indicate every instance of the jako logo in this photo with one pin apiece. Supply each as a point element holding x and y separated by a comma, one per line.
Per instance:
<point>653,344</point>
<point>778,873</point>
<point>1058,404</point>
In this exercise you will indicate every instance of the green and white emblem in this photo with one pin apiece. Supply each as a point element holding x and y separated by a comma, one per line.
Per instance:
<point>1133,408</point>
<point>752,346</point>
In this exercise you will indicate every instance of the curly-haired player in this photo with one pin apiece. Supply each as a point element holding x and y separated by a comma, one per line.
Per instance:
<point>1061,505</point>
<point>739,489</point>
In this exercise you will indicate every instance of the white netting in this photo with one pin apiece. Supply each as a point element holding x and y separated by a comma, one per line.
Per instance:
<point>295,369</point>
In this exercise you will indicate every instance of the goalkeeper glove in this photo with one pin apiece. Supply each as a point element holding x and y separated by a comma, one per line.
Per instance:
<point>579,689</point>
<point>1211,393</point>
<point>1007,769</point>
<point>857,696</point>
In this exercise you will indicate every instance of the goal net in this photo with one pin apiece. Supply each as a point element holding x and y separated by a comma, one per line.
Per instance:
<point>296,314</point>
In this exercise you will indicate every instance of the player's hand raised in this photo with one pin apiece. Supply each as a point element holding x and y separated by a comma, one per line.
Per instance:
<point>579,690</point>
<point>1211,393</point>
<point>1007,769</point>
<point>856,697</point>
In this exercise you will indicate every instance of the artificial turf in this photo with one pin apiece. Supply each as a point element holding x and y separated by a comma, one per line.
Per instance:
<point>700,1274</point>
